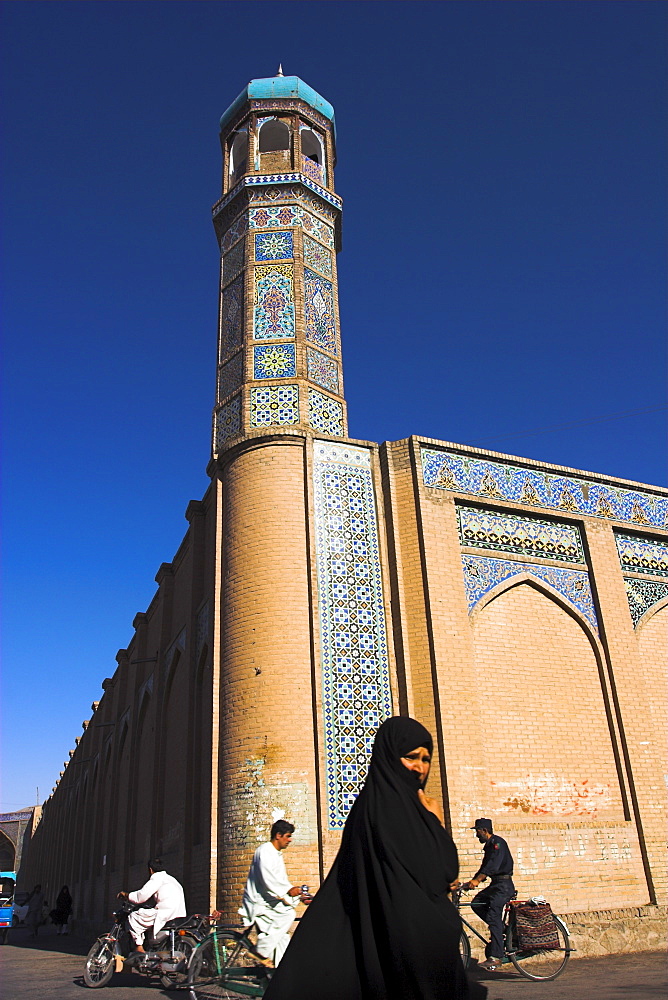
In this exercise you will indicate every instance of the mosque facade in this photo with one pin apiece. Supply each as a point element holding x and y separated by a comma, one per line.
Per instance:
<point>326,583</point>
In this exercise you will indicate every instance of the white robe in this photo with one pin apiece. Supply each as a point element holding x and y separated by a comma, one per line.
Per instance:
<point>266,902</point>
<point>170,904</point>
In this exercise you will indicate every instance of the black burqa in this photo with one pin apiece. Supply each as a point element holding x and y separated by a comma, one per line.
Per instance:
<point>382,927</point>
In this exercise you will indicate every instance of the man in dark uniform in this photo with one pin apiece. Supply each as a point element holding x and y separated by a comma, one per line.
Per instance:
<point>497,865</point>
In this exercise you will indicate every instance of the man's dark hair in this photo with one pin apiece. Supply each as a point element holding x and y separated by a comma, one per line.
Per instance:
<point>280,827</point>
<point>156,864</point>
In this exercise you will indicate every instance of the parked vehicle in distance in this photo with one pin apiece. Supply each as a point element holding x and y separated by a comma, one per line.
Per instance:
<point>7,886</point>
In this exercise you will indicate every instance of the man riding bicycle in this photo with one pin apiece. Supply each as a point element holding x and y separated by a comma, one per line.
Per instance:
<point>497,865</point>
<point>170,903</point>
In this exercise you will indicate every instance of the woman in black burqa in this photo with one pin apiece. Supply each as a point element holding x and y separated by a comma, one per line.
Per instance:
<point>382,926</point>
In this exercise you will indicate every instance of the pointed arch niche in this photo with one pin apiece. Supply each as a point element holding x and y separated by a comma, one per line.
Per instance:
<point>652,639</point>
<point>549,755</point>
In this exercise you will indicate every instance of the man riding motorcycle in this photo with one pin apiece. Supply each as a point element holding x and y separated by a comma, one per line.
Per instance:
<point>169,903</point>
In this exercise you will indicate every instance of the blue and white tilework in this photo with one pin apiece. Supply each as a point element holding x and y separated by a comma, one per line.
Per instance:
<point>322,370</point>
<point>274,311</point>
<point>325,414</point>
<point>642,555</point>
<point>273,246</point>
<point>492,530</point>
<point>278,216</point>
<point>643,594</point>
<point>275,404</point>
<point>319,311</point>
<point>482,573</point>
<point>231,235</point>
<point>317,257</point>
<point>353,632</point>
<point>232,317</point>
<point>230,376</point>
<point>274,361</point>
<point>228,421</point>
<point>501,481</point>
<point>233,262</point>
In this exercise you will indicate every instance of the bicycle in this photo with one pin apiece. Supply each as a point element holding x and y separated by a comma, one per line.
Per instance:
<point>536,964</point>
<point>225,966</point>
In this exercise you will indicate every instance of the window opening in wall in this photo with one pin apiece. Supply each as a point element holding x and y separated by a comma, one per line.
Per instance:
<point>238,155</point>
<point>274,136</point>
<point>313,155</point>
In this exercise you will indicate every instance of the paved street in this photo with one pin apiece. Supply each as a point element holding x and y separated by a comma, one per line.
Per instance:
<point>51,969</point>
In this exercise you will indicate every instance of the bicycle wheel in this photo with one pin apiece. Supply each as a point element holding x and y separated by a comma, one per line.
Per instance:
<point>464,949</point>
<point>540,965</point>
<point>220,961</point>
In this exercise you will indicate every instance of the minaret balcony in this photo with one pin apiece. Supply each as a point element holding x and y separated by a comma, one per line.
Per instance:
<point>312,169</point>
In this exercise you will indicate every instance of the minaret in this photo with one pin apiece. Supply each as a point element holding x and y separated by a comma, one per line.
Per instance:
<point>278,228</point>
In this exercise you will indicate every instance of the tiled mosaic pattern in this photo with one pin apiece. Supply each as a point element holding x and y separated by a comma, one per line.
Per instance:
<point>643,594</point>
<point>233,262</point>
<point>277,404</point>
<point>228,421</point>
<point>232,317</point>
<point>501,481</point>
<point>319,311</point>
<point>312,170</point>
<point>231,235</point>
<point>482,573</point>
<point>317,257</point>
<point>273,246</point>
<point>291,215</point>
<point>291,192</point>
<point>355,672</point>
<point>322,370</point>
<point>274,361</point>
<point>486,529</point>
<point>230,376</point>
<point>274,312</point>
<point>640,555</point>
<point>325,414</point>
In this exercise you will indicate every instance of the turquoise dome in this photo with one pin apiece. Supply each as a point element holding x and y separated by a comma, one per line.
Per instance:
<point>278,86</point>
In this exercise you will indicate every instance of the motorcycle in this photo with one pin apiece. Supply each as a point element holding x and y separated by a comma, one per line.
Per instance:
<point>167,957</point>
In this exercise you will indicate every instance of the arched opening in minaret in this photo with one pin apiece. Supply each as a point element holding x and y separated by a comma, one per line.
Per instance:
<point>238,156</point>
<point>274,136</point>
<point>313,154</point>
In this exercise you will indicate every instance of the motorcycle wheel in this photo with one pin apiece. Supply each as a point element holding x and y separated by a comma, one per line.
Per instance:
<point>177,980</point>
<point>100,964</point>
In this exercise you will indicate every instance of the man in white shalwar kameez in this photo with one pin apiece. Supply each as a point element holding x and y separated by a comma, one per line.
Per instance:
<point>270,899</point>
<point>170,903</point>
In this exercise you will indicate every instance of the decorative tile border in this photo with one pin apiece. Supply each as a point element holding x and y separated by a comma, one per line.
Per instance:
<point>275,404</point>
<point>274,312</point>
<point>640,555</point>
<point>273,216</point>
<point>354,659</point>
<point>482,573</point>
<point>501,481</point>
<point>317,257</point>
<point>274,361</point>
<point>230,376</point>
<point>266,179</point>
<point>228,421</point>
<point>325,414</point>
<point>322,370</point>
<point>273,246</point>
<point>643,594</point>
<point>232,317</point>
<point>319,311</point>
<point>486,529</point>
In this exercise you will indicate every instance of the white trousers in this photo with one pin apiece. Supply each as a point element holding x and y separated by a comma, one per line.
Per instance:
<point>140,921</point>
<point>272,933</point>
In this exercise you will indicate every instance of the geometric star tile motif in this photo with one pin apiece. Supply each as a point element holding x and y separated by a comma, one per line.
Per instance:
<point>325,414</point>
<point>322,370</point>
<point>486,529</point>
<point>503,481</point>
<point>232,315</point>
<point>273,246</point>
<point>319,311</point>
<point>274,312</point>
<point>355,673</point>
<point>230,376</point>
<point>643,594</point>
<point>228,421</point>
<point>640,555</point>
<point>274,404</point>
<point>274,361</point>
<point>482,573</point>
<point>279,216</point>
<point>317,257</point>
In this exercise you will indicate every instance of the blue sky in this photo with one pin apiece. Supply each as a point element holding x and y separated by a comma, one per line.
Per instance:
<point>503,170</point>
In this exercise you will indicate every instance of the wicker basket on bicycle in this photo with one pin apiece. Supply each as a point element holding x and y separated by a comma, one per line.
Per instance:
<point>533,926</point>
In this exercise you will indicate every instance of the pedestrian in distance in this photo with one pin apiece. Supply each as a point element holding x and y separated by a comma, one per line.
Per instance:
<point>60,914</point>
<point>382,926</point>
<point>34,915</point>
